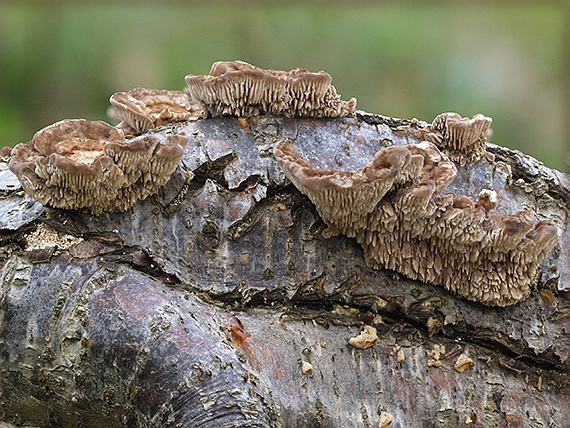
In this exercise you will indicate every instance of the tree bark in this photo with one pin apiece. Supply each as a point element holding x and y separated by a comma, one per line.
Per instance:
<point>217,302</point>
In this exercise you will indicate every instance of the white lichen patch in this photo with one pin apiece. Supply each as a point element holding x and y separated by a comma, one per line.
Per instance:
<point>14,278</point>
<point>45,237</point>
<point>209,400</point>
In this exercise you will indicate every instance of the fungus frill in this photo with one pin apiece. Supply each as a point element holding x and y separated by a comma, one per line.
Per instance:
<point>143,109</point>
<point>76,163</point>
<point>394,208</point>
<point>240,89</point>
<point>464,140</point>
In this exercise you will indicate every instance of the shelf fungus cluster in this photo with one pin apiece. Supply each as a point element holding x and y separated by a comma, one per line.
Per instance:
<point>464,140</point>
<point>240,89</point>
<point>143,109</point>
<point>395,208</point>
<point>76,163</point>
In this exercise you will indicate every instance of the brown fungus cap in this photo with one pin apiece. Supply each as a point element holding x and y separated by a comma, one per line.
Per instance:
<point>64,165</point>
<point>487,199</point>
<point>345,198</point>
<point>5,152</point>
<point>76,163</point>
<point>147,167</point>
<point>128,131</point>
<point>436,166</point>
<point>463,139</point>
<point>240,89</point>
<point>395,209</point>
<point>143,109</point>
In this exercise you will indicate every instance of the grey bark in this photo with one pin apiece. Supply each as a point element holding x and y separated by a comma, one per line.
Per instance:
<point>199,306</point>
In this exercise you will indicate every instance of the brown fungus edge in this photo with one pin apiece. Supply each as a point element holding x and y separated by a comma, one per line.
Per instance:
<point>237,88</point>
<point>75,164</point>
<point>463,139</point>
<point>395,209</point>
<point>142,109</point>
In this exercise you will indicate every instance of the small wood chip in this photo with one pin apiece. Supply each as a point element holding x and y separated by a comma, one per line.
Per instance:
<point>463,362</point>
<point>306,368</point>
<point>386,419</point>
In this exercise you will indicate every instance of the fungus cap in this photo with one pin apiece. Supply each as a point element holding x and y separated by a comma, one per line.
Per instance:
<point>487,199</point>
<point>76,163</point>
<point>5,152</point>
<point>143,109</point>
<point>395,209</point>
<point>463,139</point>
<point>342,197</point>
<point>237,88</point>
<point>147,166</point>
<point>240,89</point>
<point>436,166</point>
<point>365,339</point>
<point>64,166</point>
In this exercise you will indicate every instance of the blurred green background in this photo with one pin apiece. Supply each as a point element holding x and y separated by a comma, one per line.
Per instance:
<point>505,59</point>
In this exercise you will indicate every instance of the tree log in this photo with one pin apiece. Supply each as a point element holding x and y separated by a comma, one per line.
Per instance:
<point>218,302</point>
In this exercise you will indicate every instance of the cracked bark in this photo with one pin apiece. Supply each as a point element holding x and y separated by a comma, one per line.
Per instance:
<point>201,306</point>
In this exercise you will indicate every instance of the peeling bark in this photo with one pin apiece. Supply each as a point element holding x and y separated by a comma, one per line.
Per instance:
<point>206,304</point>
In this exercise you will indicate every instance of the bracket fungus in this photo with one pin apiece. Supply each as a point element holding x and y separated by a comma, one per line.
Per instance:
<point>464,140</point>
<point>143,109</point>
<point>395,208</point>
<point>76,163</point>
<point>240,89</point>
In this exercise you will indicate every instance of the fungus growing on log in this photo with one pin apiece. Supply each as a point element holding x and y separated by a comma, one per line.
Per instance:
<point>367,338</point>
<point>240,89</point>
<point>464,140</point>
<point>463,363</point>
<point>143,109</point>
<point>5,152</point>
<point>395,209</point>
<point>487,199</point>
<point>76,163</point>
<point>348,197</point>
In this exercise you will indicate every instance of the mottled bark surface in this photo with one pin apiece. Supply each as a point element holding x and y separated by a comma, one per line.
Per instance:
<point>199,306</point>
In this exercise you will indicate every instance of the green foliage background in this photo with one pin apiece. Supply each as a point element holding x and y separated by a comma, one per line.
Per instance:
<point>64,59</point>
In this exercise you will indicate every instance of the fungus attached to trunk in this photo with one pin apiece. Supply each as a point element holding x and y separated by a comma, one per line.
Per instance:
<point>348,197</point>
<point>395,208</point>
<point>76,163</point>
<point>367,338</point>
<point>240,89</point>
<point>464,140</point>
<point>5,153</point>
<point>143,109</point>
<point>487,199</point>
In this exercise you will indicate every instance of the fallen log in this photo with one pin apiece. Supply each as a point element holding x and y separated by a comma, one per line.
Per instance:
<point>218,302</point>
